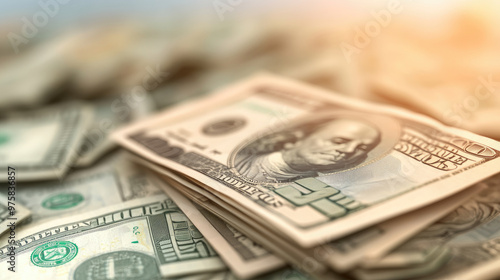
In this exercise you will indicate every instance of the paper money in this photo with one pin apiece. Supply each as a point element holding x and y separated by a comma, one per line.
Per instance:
<point>343,254</point>
<point>12,213</point>
<point>467,238</point>
<point>311,259</point>
<point>108,115</point>
<point>233,216</point>
<point>42,144</point>
<point>147,238</point>
<point>245,257</point>
<point>315,165</point>
<point>111,183</point>
<point>299,257</point>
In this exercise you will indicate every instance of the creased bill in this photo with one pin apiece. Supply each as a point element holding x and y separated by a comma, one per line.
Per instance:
<point>315,165</point>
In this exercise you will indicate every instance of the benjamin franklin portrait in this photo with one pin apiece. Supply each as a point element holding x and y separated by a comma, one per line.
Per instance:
<point>318,146</point>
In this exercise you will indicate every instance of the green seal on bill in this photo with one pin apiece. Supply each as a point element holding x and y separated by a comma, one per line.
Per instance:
<point>62,201</point>
<point>124,265</point>
<point>54,253</point>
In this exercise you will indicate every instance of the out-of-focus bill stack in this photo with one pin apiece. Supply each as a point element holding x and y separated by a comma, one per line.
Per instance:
<point>283,172</point>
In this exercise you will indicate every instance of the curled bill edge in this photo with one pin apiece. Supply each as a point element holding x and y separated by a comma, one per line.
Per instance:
<point>243,269</point>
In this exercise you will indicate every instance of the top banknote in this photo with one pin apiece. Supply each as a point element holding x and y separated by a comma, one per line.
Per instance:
<point>309,164</point>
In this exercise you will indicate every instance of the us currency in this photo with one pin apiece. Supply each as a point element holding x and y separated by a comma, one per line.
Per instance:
<point>254,229</point>
<point>307,259</point>
<point>316,165</point>
<point>113,182</point>
<point>147,238</point>
<point>12,213</point>
<point>343,254</point>
<point>42,144</point>
<point>108,115</point>
<point>298,257</point>
<point>466,239</point>
<point>245,257</point>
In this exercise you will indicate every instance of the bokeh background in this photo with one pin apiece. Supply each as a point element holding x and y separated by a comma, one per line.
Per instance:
<point>439,58</point>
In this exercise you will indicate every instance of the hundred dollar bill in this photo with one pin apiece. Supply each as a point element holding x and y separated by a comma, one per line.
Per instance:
<point>232,216</point>
<point>245,257</point>
<point>299,257</point>
<point>12,213</point>
<point>367,245</point>
<point>148,238</point>
<point>42,144</point>
<point>315,165</point>
<point>466,239</point>
<point>108,115</point>
<point>113,182</point>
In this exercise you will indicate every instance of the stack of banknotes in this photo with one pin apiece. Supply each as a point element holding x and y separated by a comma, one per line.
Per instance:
<point>267,178</point>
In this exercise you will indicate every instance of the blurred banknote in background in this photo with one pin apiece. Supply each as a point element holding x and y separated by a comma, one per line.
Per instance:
<point>42,143</point>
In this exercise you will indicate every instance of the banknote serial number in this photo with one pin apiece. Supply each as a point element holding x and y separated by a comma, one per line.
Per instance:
<point>11,218</point>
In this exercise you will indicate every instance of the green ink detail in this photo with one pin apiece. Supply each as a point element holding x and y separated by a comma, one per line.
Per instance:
<point>4,138</point>
<point>54,253</point>
<point>126,265</point>
<point>62,201</point>
<point>135,242</point>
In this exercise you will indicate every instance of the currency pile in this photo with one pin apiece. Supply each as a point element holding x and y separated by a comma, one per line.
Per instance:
<point>336,187</point>
<point>266,178</point>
